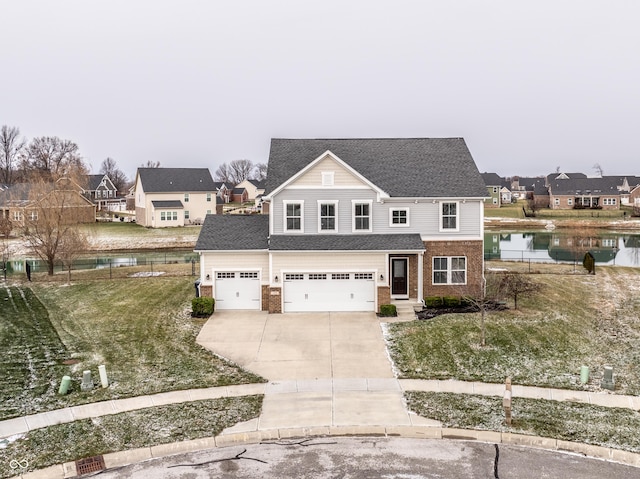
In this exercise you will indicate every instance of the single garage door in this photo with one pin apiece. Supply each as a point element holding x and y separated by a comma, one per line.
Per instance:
<point>329,292</point>
<point>237,290</point>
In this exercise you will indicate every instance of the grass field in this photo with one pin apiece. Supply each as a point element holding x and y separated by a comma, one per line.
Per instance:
<point>119,432</point>
<point>608,427</point>
<point>575,320</point>
<point>140,328</point>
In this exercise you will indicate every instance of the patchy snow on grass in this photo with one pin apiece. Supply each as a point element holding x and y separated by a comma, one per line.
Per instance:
<point>146,274</point>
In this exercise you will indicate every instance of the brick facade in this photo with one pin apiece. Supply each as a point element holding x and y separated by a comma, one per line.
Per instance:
<point>384,295</point>
<point>275,301</point>
<point>206,291</point>
<point>472,250</point>
<point>265,297</point>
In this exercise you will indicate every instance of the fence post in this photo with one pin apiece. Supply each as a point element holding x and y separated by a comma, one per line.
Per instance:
<point>110,273</point>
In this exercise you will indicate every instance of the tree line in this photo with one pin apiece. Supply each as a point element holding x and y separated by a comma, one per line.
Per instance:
<point>47,158</point>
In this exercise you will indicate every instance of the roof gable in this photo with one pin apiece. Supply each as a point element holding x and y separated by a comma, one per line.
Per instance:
<point>406,167</point>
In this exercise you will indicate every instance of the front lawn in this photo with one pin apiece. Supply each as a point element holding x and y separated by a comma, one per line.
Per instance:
<point>576,320</point>
<point>140,328</point>
<point>134,429</point>
<point>608,427</point>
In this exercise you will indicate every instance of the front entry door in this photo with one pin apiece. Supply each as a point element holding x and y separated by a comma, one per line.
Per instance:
<point>399,277</point>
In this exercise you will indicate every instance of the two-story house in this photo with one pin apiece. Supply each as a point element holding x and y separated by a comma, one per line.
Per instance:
<point>101,190</point>
<point>174,196</point>
<point>493,182</point>
<point>349,225</point>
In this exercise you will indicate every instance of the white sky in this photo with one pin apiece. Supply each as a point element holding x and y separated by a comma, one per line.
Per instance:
<point>531,85</point>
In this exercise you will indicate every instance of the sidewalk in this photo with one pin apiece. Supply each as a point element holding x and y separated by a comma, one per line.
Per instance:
<point>319,402</point>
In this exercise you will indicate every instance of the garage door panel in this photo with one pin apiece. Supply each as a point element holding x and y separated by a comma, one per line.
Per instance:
<point>329,292</point>
<point>237,290</point>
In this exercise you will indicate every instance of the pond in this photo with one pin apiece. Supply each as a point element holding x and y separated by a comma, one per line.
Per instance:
<point>608,248</point>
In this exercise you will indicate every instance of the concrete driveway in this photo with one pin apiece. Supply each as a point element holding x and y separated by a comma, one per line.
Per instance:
<point>324,369</point>
<point>298,346</point>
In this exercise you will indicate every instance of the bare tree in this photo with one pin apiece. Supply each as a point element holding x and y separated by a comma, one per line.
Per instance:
<point>115,174</point>
<point>72,245</point>
<point>490,294</point>
<point>151,164</point>
<point>598,169</point>
<point>260,171</point>
<point>235,172</point>
<point>51,158</point>
<point>11,148</point>
<point>517,284</point>
<point>52,218</point>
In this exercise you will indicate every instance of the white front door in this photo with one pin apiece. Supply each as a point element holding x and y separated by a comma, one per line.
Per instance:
<point>306,292</point>
<point>237,290</point>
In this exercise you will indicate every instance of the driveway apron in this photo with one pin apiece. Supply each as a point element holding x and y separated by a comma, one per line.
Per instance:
<point>324,369</point>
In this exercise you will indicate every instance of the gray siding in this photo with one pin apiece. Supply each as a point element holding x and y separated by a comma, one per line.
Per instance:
<point>423,216</point>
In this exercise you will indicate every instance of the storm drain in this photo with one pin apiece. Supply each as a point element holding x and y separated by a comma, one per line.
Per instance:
<point>90,464</point>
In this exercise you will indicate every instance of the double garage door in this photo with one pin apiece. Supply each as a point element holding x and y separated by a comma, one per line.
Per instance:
<point>329,292</point>
<point>237,290</point>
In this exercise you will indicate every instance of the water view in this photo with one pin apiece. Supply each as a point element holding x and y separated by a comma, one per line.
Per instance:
<point>563,246</point>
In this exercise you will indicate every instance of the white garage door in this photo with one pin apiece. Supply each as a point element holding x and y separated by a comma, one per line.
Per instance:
<point>237,290</point>
<point>329,292</point>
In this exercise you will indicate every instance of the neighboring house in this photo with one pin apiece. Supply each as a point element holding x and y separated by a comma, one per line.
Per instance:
<point>493,182</point>
<point>254,188</point>
<point>101,190</point>
<point>174,196</point>
<point>349,225</point>
<point>505,193</point>
<point>634,197</point>
<point>239,195</point>
<point>222,191</point>
<point>569,192</point>
<point>25,202</point>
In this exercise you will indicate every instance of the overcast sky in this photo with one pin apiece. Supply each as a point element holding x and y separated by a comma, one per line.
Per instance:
<point>531,85</point>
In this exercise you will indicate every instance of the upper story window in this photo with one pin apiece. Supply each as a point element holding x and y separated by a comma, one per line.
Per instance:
<point>327,178</point>
<point>361,216</point>
<point>186,197</point>
<point>399,217</point>
<point>328,215</point>
<point>449,216</point>
<point>449,270</point>
<point>209,197</point>
<point>293,216</point>
<point>495,189</point>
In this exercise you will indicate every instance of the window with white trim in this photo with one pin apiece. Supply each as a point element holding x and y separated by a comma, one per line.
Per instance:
<point>363,276</point>
<point>340,275</point>
<point>225,275</point>
<point>186,214</point>
<point>248,275</point>
<point>398,216</point>
<point>556,201</point>
<point>449,270</point>
<point>33,216</point>
<point>293,276</point>
<point>495,189</point>
<point>315,276</point>
<point>209,197</point>
<point>186,197</point>
<point>608,201</point>
<point>293,216</point>
<point>569,201</point>
<point>361,216</point>
<point>449,216</point>
<point>163,216</point>
<point>328,215</point>
<point>17,216</point>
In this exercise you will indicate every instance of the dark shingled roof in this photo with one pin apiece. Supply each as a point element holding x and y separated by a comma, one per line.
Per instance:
<point>402,167</point>
<point>582,186</point>
<point>390,242</point>
<point>491,179</point>
<point>167,204</point>
<point>93,181</point>
<point>234,232</point>
<point>172,180</point>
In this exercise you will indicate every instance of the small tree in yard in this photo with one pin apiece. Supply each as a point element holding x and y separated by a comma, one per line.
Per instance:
<point>491,292</point>
<point>72,245</point>
<point>517,284</point>
<point>52,221</point>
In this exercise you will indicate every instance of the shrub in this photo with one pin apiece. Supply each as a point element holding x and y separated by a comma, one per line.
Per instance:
<point>452,301</point>
<point>202,307</point>
<point>388,310</point>
<point>433,302</point>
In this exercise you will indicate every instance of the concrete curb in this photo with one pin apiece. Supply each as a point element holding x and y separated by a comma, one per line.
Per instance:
<point>124,458</point>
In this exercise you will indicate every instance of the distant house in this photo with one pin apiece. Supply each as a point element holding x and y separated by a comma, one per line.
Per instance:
<point>222,191</point>
<point>27,202</point>
<point>174,196</point>
<point>493,182</point>
<point>239,195</point>
<point>569,191</point>
<point>254,188</point>
<point>505,192</point>
<point>634,197</point>
<point>101,190</point>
